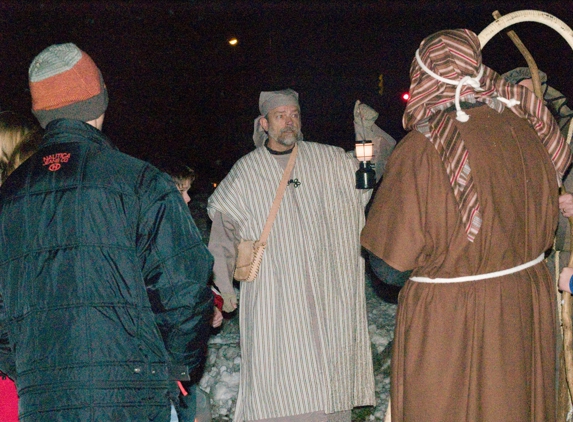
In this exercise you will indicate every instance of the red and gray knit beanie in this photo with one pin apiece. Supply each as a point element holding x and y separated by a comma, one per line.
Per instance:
<point>66,83</point>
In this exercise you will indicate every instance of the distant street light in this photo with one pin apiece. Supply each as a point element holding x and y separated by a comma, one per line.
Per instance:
<point>233,41</point>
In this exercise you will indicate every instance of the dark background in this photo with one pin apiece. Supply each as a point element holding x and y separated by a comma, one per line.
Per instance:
<point>177,87</point>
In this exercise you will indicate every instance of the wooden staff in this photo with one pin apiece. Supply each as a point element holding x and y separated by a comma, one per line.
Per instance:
<point>567,323</point>
<point>565,387</point>
<point>534,70</point>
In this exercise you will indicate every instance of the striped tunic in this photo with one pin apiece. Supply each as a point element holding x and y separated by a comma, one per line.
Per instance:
<point>304,339</point>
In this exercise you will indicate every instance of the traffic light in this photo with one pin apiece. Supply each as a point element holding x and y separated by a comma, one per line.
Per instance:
<point>406,96</point>
<point>380,84</point>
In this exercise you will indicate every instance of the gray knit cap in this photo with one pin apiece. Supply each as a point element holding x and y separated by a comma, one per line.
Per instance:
<point>66,83</point>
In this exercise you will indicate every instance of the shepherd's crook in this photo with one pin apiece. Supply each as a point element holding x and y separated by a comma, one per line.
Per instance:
<point>565,31</point>
<point>564,390</point>
<point>533,69</point>
<point>567,321</point>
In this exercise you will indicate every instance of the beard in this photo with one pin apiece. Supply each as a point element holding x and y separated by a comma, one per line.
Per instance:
<point>287,136</point>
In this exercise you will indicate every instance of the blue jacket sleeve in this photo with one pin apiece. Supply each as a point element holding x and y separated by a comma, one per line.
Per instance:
<point>7,364</point>
<point>176,267</point>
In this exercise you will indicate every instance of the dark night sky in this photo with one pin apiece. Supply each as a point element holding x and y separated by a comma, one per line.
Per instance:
<point>176,86</point>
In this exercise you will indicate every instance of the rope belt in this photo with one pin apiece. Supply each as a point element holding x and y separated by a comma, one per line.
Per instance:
<point>481,276</point>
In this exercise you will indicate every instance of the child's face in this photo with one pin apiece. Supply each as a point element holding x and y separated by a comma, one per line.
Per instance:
<point>184,187</point>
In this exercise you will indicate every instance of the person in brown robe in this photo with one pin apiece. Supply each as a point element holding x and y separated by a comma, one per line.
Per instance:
<point>556,103</point>
<point>467,207</point>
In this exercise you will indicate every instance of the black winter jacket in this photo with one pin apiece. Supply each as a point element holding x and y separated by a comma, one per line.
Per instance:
<point>103,275</point>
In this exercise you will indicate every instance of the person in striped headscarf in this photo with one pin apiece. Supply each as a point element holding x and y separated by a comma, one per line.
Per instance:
<point>466,211</point>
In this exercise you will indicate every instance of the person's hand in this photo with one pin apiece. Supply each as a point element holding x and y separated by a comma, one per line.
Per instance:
<point>217,318</point>
<point>229,302</point>
<point>564,279</point>
<point>566,205</point>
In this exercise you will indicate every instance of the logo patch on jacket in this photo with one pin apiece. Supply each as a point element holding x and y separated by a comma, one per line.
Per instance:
<point>54,161</point>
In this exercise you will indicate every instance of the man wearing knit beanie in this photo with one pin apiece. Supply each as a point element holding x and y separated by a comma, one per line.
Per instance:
<point>103,274</point>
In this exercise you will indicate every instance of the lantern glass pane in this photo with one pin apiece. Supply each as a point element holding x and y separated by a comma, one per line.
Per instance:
<point>364,151</point>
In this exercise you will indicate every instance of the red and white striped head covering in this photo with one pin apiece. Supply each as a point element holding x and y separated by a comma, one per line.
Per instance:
<point>450,61</point>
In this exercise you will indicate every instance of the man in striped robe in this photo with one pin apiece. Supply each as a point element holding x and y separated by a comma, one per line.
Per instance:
<point>304,336</point>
